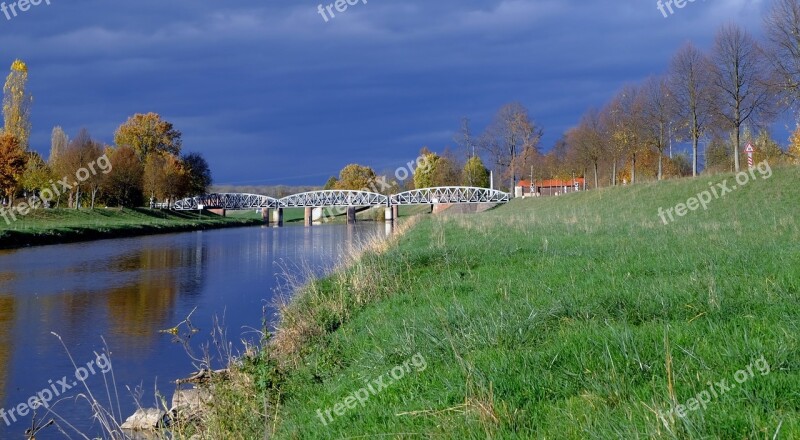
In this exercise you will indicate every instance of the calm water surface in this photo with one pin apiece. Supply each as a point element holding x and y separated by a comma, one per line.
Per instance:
<point>127,290</point>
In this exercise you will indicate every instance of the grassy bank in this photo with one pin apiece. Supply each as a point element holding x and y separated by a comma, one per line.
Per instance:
<point>55,226</point>
<point>581,316</point>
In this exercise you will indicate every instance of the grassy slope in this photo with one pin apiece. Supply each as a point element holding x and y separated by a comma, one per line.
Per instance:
<point>66,225</point>
<point>566,317</point>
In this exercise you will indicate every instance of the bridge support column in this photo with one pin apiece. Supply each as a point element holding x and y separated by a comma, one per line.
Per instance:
<point>265,215</point>
<point>396,212</point>
<point>309,216</point>
<point>277,217</point>
<point>391,213</point>
<point>351,215</point>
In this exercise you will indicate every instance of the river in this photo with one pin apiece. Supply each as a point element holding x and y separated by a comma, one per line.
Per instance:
<point>124,292</point>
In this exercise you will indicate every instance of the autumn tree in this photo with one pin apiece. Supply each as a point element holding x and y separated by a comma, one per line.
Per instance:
<point>58,144</point>
<point>741,80</point>
<point>331,183</point>
<point>12,165</point>
<point>80,152</point>
<point>626,130</point>
<point>356,177</point>
<point>148,133</point>
<point>154,181</point>
<point>475,173</point>
<point>691,88</point>
<point>124,186</point>
<point>17,104</point>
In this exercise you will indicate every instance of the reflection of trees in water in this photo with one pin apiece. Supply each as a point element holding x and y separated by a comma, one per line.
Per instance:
<point>138,310</point>
<point>7,309</point>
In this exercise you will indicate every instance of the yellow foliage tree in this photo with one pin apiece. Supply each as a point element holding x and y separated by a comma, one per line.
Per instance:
<point>17,104</point>
<point>794,145</point>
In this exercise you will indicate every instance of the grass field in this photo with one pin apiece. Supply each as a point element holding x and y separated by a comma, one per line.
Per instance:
<point>53,226</point>
<point>581,316</point>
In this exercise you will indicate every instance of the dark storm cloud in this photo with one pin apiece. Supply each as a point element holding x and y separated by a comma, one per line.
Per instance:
<point>270,93</point>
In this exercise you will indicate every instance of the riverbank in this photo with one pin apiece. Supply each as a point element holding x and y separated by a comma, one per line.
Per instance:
<point>58,226</point>
<point>581,316</point>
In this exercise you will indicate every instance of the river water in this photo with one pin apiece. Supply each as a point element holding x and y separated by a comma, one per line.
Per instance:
<point>124,292</point>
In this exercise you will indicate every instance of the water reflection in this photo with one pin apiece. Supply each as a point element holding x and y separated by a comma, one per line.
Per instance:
<point>127,290</point>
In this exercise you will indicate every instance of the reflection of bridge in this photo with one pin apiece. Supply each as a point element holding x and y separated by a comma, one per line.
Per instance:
<point>343,199</point>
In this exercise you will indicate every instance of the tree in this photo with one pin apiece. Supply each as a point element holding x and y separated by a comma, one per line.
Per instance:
<point>17,104</point>
<point>447,171</point>
<point>475,173</point>
<point>356,177</point>
<point>782,27</point>
<point>691,88</point>
<point>589,139</point>
<point>657,116</point>
<point>37,174</point>
<point>58,144</point>
<point>718,155</point>
<point>124,185</point>
<point>198,174</point>
<point>741,80</point>
<point>154,181</point>
<point>510,133</point>
<point>331,183</point>
<point>625,125</point>
<point>12,165</point>
<point>81,151</point>
<point>424,174</point>
<point>794,146</point>
<point>148,133</point>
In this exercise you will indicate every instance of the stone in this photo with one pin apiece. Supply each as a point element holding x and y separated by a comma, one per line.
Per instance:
<point>144,419</point>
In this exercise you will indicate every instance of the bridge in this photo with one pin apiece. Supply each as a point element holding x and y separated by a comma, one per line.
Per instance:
<point>342,199</point>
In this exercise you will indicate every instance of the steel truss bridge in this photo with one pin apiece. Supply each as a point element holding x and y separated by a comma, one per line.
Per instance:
<point>333,198</point>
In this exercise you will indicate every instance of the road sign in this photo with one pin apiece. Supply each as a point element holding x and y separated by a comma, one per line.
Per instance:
<point>749,150</point>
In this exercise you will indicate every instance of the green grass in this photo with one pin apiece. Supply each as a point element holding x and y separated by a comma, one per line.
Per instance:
<point>581,316</point>
<point>53,226</point>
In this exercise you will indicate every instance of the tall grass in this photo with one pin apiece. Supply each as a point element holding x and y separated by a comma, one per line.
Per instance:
<point>580,316</point>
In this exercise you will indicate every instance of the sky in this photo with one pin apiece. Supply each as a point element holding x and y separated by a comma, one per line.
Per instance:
<point>271,93</point>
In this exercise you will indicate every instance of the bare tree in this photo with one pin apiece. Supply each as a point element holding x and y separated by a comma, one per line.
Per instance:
<point>588,139</point>
<point>691,88</point>
<point>511,132</point>
<point>741,81</point>
<point>657,114</point>
<point>782,25</point>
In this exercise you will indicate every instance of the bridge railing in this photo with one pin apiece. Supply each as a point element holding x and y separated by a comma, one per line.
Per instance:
<point>333,198</point>
<point>449,194</point>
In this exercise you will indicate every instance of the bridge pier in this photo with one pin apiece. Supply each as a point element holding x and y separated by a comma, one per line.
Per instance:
<point>265,215</point>
<point>351,215</point>
<point>309,217</point>
<point>391,213</point>
<point>277,217</point>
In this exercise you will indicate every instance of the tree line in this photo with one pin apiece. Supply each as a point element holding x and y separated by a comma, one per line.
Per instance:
<point>146,159</point>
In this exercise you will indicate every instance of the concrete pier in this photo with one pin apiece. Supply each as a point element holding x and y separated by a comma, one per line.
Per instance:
<point>391,213</point>
<point>351,215</point>
<point>265,215</point>
<point>277,217</point>
<point>309,216</point>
